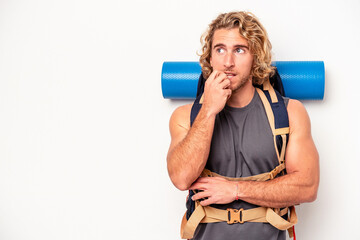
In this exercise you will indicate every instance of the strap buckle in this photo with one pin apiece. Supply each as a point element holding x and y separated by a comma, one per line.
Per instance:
<point>235,215</point>
<point>272,175</point>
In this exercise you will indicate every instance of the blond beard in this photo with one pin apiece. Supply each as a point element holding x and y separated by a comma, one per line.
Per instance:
<point>243,81</point>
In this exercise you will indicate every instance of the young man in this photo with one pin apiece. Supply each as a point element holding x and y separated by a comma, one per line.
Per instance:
<point>231,135</point>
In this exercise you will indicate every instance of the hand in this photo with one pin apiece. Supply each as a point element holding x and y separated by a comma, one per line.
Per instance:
<point>216,92</point>
<point>217,190</point>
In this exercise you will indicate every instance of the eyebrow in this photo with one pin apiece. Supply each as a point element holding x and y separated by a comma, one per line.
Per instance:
<point>235,46</point>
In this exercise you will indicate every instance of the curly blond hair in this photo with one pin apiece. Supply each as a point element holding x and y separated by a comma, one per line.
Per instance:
<point>249,28</point>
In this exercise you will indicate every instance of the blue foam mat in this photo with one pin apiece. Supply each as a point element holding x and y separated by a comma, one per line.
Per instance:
<point>301,79</point>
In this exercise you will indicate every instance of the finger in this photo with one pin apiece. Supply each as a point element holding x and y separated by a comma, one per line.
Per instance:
<point>200,195</point>
<point>220,77</point>
<point>206,202</point>
<point>212,76</point>
<point>225,83</point>
<point>228,93</point>
<point>208,180</point>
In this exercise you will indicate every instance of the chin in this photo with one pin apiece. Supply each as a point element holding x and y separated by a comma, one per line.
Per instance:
<point>238,87</point>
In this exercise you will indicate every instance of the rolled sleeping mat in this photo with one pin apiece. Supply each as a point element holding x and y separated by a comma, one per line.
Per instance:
<point>303,80</point>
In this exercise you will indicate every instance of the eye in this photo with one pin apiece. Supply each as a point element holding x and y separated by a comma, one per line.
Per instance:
<point>220,50</point>
<point>239,50</point>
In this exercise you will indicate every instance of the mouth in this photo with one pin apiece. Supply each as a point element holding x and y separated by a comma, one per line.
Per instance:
<point>230,74</point>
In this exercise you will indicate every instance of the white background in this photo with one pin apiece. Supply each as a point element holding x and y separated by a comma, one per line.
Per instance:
<point>84,127</point>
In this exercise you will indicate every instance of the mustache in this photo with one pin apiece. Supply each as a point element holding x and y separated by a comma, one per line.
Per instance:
<point>228,70</point>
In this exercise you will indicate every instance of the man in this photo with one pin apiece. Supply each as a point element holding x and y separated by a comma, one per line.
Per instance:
<point>231,135</point>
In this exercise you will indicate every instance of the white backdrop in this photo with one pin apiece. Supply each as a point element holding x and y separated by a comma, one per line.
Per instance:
<point>84,128</point>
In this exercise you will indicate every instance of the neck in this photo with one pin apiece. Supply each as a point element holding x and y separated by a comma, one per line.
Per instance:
<point>242,96</point>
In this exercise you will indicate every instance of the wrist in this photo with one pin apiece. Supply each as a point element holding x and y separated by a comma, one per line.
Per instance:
<point>208,112</point>
<point>236,192</point>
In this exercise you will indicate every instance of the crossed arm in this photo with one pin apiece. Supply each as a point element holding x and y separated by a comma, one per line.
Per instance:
<point>189,150</point>
<point>189,147</point>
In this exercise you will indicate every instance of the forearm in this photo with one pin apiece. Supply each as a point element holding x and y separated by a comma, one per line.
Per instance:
<point>188,158</point>
<point>283,191</point>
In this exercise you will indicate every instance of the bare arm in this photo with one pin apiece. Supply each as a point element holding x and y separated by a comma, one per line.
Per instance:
<point>298,186</point>
<point>189,147</point>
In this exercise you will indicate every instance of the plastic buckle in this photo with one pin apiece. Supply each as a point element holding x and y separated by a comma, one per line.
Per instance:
<point>272,175</point>
<point>235,215</point>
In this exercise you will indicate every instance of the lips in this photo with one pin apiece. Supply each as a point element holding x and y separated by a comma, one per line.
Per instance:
<point>229,74</point>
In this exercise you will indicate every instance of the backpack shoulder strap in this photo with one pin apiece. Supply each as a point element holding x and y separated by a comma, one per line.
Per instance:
<point>195,109</point>
<point>198,101</point>
<point>278,117</point>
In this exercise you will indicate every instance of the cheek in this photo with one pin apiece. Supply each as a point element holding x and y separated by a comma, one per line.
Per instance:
<point>251,62</point>
<point>250,65</point>
<point>216,62</point>
<point>246,63</point>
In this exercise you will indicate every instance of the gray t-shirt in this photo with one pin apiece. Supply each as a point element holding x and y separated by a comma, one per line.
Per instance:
<point>242,145</point>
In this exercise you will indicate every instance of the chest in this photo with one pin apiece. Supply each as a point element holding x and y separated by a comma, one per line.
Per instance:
<point>242,143</point>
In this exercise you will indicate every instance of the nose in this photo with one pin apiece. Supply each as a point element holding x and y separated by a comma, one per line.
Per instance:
<point>229,60</point>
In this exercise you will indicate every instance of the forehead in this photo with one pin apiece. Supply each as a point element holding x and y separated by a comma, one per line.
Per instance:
<point>228,37</point>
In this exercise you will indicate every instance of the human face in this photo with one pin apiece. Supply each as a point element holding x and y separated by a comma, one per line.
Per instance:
<point>230,54</point>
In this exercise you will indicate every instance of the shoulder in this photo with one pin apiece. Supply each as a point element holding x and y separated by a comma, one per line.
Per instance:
<point>181,117</point>
<point>298,117</point>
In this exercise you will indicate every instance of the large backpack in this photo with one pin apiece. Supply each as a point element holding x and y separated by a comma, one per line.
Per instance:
<point>279,122</point>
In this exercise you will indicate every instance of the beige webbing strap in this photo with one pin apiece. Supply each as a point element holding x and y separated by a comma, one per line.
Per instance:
<point>267,86</point>
<point>260,177</point>
<point>201,99</point>
<point>271,118</point>
<point>276,171</point>
<point>189,226</point>
<point>251,215</point>
<point>276,149</point>
<point>281,131</point>
<point>283,148</point>
<point>280,223</point>
<point>281,156</point>
<point>268,110</point>
<point>260,214</point>
<point>270,114</point>
<point>291,232</point>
